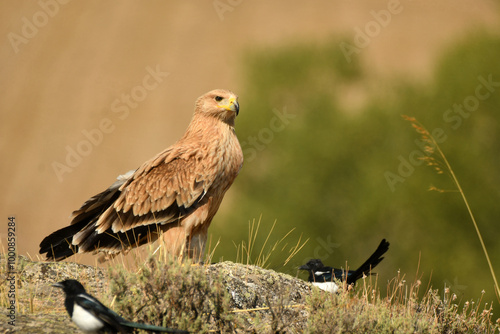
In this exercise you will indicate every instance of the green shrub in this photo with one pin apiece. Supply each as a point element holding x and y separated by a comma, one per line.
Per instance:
<point>171,294</point>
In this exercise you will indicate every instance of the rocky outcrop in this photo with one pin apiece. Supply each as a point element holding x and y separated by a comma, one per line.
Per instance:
<point>256,295</point>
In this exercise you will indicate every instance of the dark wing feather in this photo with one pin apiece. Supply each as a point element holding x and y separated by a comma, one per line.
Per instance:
<point>58,245</point>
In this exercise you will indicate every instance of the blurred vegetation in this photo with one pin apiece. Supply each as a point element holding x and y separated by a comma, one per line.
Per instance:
<point>324,171</point>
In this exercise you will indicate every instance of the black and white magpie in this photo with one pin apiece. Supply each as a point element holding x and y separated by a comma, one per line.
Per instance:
<point>91,316</point>
<point>322,276</point>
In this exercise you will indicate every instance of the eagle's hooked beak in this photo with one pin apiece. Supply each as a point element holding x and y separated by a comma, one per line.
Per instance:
<point>233,105</point>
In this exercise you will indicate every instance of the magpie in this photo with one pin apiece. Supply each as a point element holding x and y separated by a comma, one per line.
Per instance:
<point>322,276</point>
<point>91,316</point>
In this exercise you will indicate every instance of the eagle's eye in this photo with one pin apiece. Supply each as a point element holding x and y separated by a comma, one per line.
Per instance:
<point>218,98</point>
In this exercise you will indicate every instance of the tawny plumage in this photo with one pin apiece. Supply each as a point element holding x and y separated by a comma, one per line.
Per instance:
<point>175,194</point>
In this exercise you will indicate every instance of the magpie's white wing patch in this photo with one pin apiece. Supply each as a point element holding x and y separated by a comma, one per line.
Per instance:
<point>85,320</point>
<point>327,286</point>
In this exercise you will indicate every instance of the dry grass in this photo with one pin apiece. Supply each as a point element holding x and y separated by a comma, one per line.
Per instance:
<point>437,159</point>
<point>154,288</point>
<point>245,251</point>
<point>185,296</point>
<point>401,311</point>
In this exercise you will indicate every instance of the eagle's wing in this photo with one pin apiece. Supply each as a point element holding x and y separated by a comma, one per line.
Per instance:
<point>162,191</point>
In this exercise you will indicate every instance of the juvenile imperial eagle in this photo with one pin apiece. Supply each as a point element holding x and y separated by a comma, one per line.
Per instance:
<point>175,194</point>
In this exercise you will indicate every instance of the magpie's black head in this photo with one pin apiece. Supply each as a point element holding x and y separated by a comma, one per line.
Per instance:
<point>70,286</point>
<point>312,265</point>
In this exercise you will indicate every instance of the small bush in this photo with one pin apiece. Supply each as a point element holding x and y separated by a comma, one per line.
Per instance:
<point>173,295</point>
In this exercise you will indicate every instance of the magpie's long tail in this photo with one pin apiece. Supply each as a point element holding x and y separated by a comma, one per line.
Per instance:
<point>151,328</point>
<point>369,264</point>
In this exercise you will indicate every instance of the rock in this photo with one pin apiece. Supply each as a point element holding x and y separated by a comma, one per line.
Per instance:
<point>258,295</point>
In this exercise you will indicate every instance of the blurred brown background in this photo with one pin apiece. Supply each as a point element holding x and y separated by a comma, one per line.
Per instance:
<point>66,67</point>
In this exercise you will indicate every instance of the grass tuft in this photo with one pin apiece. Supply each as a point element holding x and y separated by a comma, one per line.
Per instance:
<point>436,159</point>
<point>245,250</point>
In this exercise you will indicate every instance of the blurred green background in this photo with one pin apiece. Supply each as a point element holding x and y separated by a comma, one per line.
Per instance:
<point>320,166</point>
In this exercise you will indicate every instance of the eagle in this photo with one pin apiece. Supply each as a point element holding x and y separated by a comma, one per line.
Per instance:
<point>173,196</point>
